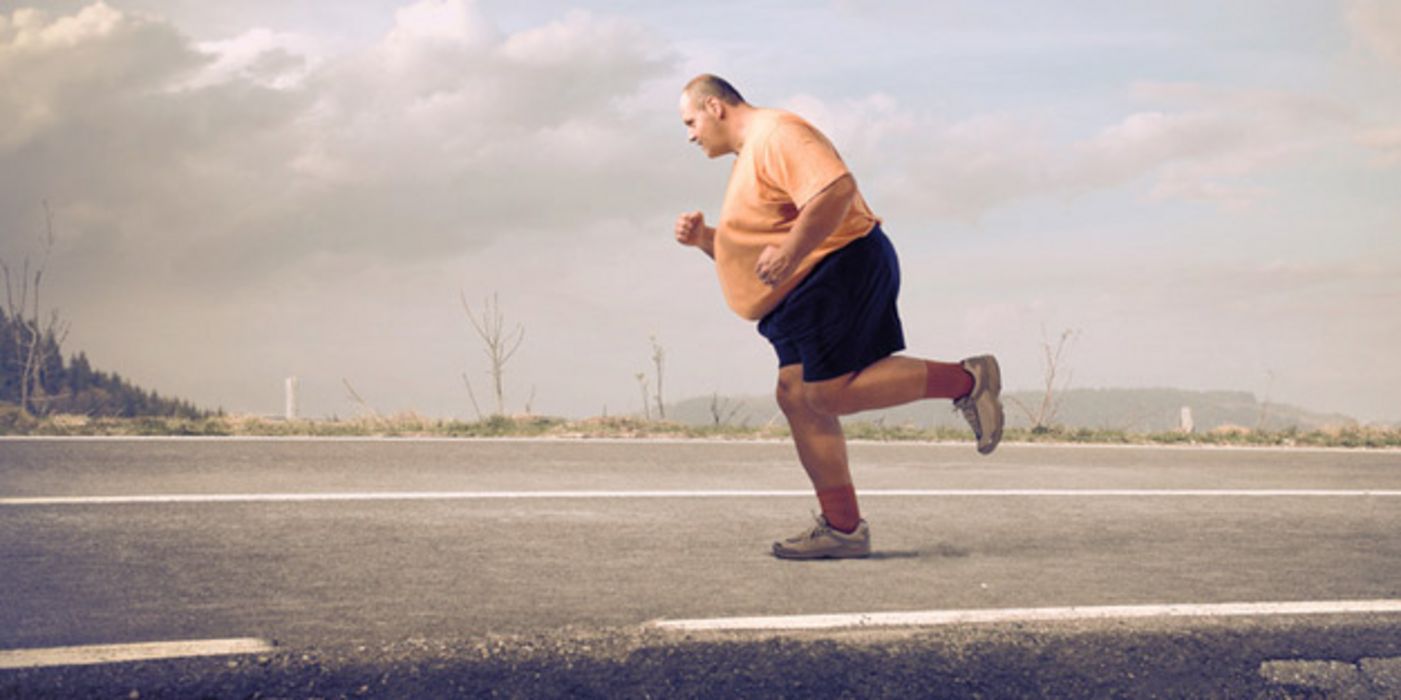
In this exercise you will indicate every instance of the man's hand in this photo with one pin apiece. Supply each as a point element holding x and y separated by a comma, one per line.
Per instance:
<point>816,221</point>
<point>689,227</point>
<point>692,231</point>
<point>775,265</point>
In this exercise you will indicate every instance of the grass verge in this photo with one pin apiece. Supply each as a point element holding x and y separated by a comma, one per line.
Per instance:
<point>12,422</point>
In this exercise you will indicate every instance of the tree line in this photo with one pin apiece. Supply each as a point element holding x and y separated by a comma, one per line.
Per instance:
<point>35,378</point>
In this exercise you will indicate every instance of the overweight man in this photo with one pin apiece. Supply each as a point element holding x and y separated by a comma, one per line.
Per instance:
<point>798,250</point>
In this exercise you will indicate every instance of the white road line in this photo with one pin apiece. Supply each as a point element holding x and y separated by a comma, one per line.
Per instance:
<point>546,495</point>
<point>929,618</point>
<point>661,440</point>
<point>395,439</point>
<point>116,653</point>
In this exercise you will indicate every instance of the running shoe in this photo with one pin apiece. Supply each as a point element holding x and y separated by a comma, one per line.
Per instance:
<point>823,542</point>
<point>982,407</point>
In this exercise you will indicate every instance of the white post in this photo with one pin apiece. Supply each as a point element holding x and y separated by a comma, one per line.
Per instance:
<point>1185,425</point>
<point>292,398</point>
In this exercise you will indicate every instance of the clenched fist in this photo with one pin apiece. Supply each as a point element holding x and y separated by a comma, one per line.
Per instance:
<point>690,228</point>
<point>692,231</point>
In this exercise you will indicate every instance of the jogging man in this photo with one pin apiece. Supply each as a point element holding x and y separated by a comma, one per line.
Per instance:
<point>797,249</point>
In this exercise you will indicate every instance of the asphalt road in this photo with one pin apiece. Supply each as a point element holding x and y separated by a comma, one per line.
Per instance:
<point>379,584</point>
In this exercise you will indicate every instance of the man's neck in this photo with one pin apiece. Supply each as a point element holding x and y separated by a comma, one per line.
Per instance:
<point>742,117</point>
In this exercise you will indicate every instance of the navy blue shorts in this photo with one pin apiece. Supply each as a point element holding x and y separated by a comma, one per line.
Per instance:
<point>842,318</point>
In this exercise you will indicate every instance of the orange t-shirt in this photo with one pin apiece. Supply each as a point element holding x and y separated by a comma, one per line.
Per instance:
<point>784,163</point>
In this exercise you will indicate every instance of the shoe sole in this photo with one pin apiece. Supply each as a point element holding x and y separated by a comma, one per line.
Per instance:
<point>804,556</point>
<point>994,384</point>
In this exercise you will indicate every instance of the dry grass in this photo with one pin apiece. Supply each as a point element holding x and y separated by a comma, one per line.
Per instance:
<point>414,425</point>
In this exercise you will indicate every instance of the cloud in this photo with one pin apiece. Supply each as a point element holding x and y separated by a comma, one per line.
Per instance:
<point>279,60</point>
<point>204,166</point>
<point>458,136</point>
<point>1212,148</point>
<point>449,21</point>
<point>1385,141</point>
<point>55,71</point>
<point>1199,142</point>
<point>1377,24</point>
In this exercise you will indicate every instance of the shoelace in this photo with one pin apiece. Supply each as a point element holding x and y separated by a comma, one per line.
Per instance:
<point>970,414</point>
<point>812,534</point>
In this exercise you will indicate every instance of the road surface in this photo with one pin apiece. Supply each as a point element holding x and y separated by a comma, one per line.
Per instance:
<point>380,554</point>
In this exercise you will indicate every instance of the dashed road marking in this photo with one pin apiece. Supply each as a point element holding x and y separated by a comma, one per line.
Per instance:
<point>117,653</point>
<point>928,618</point>
<point>796,493</point>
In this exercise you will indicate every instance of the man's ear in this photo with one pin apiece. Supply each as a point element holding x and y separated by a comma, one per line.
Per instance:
<point>715,106</point>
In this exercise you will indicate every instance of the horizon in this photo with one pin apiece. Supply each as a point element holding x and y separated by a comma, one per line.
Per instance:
<point>1014,416</point>
<point>243,193</point>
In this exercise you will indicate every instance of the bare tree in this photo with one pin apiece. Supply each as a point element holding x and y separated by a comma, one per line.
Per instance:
<point>33,335</point>
<point>500,344</point>
<point>1052,368</point>
<point>364,406</point>
<point>1265,404</point>
<point>473,396</point>
<point>722,410</point>
<point>658,359</point>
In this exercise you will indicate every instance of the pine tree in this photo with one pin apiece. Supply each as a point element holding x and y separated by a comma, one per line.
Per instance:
<point>79,374</point>
<point>9,361</point>
<point>52,374</point>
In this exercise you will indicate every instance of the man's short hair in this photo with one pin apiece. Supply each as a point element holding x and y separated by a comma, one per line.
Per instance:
<point>707,85</point>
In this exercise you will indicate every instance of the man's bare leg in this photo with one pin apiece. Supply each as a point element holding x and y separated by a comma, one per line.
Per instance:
<point>819,438</point>
<point>822,451</point>
<point>892,381</point>
<point>975,385</point>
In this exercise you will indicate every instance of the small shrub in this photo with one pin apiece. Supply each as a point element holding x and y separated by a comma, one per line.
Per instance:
<point>16,422</point>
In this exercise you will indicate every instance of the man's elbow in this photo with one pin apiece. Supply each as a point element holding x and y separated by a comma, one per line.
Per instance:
<point>845,186</point>
<point>841,193</point>
<point>845,192</point>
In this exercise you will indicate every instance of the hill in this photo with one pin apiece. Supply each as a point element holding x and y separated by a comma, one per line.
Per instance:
<point>1129,410</point>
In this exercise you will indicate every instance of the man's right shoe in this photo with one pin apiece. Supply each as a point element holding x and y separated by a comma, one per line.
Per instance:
<point>982,407</point>
<point>825,542</point>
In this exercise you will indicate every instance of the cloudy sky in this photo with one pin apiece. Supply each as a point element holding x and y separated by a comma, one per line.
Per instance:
<point>1209,193</point>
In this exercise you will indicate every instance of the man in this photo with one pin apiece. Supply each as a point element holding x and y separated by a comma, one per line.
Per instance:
<point>797,249</point>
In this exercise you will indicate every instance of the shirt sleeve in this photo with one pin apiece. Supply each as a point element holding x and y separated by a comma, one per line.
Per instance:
<point>799,160</point>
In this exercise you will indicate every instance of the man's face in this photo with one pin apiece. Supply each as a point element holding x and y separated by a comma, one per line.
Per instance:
<point>703,125</point>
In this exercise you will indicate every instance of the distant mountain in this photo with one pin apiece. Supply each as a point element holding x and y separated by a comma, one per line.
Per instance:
<point>1130,410</point>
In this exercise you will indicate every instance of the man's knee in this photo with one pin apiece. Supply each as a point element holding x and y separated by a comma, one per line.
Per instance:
<point>828,398</point>
<point>790,394</point>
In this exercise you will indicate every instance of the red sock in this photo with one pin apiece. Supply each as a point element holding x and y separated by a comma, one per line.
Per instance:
<point>839,507</point>
<point>946,381</point>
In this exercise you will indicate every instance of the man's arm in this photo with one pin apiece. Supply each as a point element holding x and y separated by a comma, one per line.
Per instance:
<point>817,220</point>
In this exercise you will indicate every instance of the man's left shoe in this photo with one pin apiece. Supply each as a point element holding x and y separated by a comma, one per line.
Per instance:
<point>982,407</point>
<point>825,542</point>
